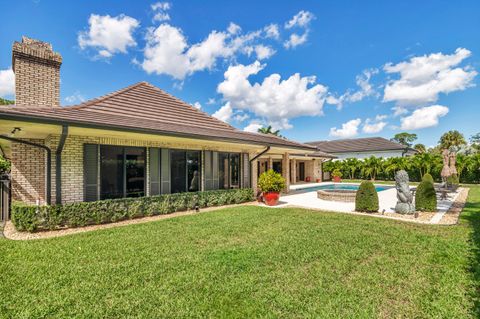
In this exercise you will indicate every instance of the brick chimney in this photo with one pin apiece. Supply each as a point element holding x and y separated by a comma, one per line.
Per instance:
<point>37,73</point>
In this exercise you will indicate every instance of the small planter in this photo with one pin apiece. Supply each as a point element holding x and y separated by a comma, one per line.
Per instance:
<point>308,179</point>
<point>318,180</point>
<point>337,179</point>
<point>271,198</point>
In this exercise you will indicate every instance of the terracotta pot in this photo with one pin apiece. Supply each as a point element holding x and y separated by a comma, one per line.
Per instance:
<point>318,180</point>
<point>271,198</point>
<point>337,179</point>
<point>308,179</point>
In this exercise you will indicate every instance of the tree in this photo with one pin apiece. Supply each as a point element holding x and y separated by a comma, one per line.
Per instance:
<point>420,148</point>
<point>405,138</point>
<point>395,164</point>
<point>452,140</point>
<point>371,166</point>
<point>268,130</point>
<point>351,165</point>
<point>475,140</point>
<point>6,102</point>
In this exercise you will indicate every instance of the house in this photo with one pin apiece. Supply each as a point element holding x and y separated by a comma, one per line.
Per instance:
<point>137,141</point>
<point>361,148</point>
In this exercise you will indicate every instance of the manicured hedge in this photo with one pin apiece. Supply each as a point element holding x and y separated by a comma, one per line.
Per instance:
<point>31,218</point>
<point>425,197</point>
<point>366,199</point>
<point>428,177</point>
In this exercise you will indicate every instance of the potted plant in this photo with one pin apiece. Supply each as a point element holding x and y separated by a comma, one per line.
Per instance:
<point>337,175</point>
<point>271,184</point>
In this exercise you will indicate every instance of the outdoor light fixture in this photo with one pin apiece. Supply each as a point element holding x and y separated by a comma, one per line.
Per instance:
<point>15,130</point>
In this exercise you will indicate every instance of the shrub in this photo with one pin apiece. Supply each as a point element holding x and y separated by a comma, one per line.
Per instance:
<point>366,199</point>
<point>337,173</point>
<point>427,177</point>
<point>31,218</point>
<point>271,181</point>
<point>453,180</point>
<point>425,197</point>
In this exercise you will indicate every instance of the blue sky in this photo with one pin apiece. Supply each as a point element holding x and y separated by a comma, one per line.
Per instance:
<point>314,69</point>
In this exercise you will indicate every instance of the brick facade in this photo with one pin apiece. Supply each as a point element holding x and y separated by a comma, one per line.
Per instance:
<point>37,73</point>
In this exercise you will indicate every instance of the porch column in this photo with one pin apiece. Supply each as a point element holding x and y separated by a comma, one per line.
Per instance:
<point>254,175</point>
<point>286,171</point>
<point>294,171</point>
<point>270,163</point>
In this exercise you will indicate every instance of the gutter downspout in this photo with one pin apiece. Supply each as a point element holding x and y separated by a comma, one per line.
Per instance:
<point>254,158</point>
<point>49,162</point>
<point>58,165</point>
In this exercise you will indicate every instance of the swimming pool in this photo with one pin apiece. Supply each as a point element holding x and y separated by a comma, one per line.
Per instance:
<point>350,187</point>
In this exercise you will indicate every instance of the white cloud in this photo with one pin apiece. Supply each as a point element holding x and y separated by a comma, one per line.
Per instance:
<point>224,113</point>
<point>167,50</point>
<point>159,9</point>
<point>301,19</point>
<point>197,105</point>
<point>109,35</point>
<point>211,101</point>
<point>271,31</point>
<point>424,117</point>
<point>274,99</point>
<point>349,129</point>
<point>423,78</point>
<point>234,28</point>
<point>7,82</point>
<point>295,40</point>
<point>376,125</point>
<point>240,117</point>
<point>263,52</point>
<point>253,126</point>
<point>366,89</point>
<point>75,98</point>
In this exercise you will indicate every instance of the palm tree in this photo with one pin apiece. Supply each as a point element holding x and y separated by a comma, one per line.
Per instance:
<point>268,130</point>
<point>351,165</point>
<point>452,140</point>
<point>395,164</point>
<point>420,148</point>
<point>371,166</point>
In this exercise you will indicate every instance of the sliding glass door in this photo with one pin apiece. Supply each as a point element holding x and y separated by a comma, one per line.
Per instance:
<point>122,171</point>
<point>185,167</point>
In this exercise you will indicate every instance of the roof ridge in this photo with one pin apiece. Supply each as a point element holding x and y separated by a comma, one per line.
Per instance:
<point>189,105</point>
<point>107,96</point>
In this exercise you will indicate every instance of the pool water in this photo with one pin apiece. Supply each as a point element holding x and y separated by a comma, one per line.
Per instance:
<point>350,187</point>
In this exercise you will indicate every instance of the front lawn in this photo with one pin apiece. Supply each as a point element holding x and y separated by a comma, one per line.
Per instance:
<point>250,261</point>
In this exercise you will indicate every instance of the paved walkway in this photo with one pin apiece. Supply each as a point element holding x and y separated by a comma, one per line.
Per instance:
<point>387,201</point>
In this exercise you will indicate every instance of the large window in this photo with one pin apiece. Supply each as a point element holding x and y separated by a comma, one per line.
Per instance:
<point>228,170</point>
<point>185,171</point>
<point>122,172</point>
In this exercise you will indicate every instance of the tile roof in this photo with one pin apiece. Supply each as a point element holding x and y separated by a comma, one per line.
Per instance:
<point>143,107</point>
<point>357,145</point>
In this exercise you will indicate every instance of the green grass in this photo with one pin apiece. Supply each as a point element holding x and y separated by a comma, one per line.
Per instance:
<point>249,261</point>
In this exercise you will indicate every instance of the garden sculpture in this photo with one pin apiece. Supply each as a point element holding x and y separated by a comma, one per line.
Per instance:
<point>453,160</point>
<point>446,168</point>
<point>405,198</point>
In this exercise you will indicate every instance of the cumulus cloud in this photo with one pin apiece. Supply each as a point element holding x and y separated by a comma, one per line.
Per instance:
<point>7,82</point>
<point>271,31</point>
<point>295,40</point>
<point>301,19</point>
<point>253,127</point>
<point>424,117</point>
<point>211,101</point>
<point>160,11</point>
<point>167,50</point>
<point>224,113</point>
<point>273,99</point>
<point>423,78</point>
<point>349,129</point>
<point>75,98</point>
<point>372,126</point>
<point>108,35</point>
<point>234,28</point>
<point>365,89</point>
<point>197,105</point>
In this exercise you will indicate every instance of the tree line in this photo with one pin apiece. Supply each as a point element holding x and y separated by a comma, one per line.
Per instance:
<point>424,161</point>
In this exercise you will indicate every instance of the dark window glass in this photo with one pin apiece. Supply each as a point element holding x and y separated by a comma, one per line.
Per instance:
<point>193,171</point>
<point>234,170</point>
<point>178,171</point>
<point>111,172</point>
<point>223,181</point>
<point>277,166</point>
<point>135,171</point>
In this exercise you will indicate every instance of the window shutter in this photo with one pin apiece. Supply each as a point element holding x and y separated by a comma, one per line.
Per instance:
<point>246,170</point>
<point>215,170</point>
<point>154,170</point>
<point>165,171</point>
<point>90,172</point>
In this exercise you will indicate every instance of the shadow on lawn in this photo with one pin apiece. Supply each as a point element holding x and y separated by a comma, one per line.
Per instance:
<point>471,214</point>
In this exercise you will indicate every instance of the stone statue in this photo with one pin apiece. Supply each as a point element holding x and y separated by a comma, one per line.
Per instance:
<point>446,169</point>
<point>404,196</point>
<point>453,162</point>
